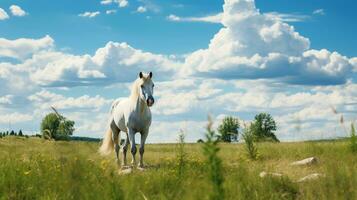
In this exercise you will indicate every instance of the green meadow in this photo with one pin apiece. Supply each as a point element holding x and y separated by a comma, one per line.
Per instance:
<point>33,168</point>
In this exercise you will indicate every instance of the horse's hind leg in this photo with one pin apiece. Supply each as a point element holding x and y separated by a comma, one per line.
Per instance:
<point>116,139</point>
<point>124,150</point>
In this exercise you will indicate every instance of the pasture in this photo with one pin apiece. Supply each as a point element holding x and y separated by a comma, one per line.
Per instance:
<point>39,169</point>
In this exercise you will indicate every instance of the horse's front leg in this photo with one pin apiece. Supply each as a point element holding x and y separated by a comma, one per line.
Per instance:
<point>144,135</point>
<point>131,134</point>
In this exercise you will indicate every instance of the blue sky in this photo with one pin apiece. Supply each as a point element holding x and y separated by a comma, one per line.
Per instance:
<point>297,52</point>
<point>60,20</point>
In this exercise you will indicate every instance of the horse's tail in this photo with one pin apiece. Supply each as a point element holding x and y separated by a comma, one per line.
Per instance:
<point>107,144</point>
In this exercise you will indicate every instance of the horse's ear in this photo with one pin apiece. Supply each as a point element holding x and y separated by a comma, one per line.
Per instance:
<point>140,75</point>
<point>150,74</point>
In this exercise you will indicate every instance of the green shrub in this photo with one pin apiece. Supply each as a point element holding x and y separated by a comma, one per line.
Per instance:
<point>250,147</point>
<point>213,162</point>
<point>181,155</point>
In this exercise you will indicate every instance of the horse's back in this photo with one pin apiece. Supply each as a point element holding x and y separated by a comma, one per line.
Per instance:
<point>114,104</point>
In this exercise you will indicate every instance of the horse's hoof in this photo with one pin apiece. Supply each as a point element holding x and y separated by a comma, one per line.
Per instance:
<point>125,171</point>
<point>124,167</point>
<point>141,168</point>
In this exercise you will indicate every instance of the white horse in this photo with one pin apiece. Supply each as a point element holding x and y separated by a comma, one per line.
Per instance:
<point>130,115</point>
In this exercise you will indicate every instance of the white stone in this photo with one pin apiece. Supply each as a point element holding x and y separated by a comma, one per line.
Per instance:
<point>264,174</point>
<point>307,161</point>
<point>313,176</point>
<point>125,171</point>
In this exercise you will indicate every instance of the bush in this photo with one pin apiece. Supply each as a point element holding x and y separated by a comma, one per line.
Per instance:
<point>262,128</point>
<point>229,129</point>
<point>56,127</point>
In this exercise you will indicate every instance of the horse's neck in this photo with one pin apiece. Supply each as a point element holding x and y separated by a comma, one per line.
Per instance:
<point>138,104</point>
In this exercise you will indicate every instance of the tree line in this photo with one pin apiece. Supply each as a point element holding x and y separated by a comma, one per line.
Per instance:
<point>261,128</point>
<point>12,133</point>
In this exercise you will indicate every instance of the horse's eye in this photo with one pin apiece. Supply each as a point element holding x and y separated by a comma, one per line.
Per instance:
<point>153,85</point>
<point>141,86</point>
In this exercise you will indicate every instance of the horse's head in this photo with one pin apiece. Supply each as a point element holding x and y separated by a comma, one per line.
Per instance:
<point>146,88</point>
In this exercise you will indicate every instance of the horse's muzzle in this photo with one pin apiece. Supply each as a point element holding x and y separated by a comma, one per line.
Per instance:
<point>150,101</point>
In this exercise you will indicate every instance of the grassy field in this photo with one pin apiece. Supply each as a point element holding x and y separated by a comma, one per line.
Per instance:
<point>38,169</point>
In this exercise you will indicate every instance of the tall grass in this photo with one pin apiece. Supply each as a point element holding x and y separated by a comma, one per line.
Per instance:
<point>40,169</point>
<point>213,162</point>
<point>353,139</point>
<point>44,176</point>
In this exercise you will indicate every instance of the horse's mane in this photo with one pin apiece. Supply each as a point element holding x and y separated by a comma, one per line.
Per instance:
<point>135,90</point>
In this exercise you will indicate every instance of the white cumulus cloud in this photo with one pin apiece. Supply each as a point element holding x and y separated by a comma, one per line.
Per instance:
<point>3,14</point>
<point>141,9</point>
<point>89,14</point>
<point>115,62</point>
<point>173,17</point>
<point>17,11</point>
<point>121,3</point>
<point>23,48</point>
<point>319,12</point>
<point>15,118</point>
<point>45,99</point>
<point>254,45</point>
<point>108,12</point>
<point>106,2</point>
<point>7,99</point>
